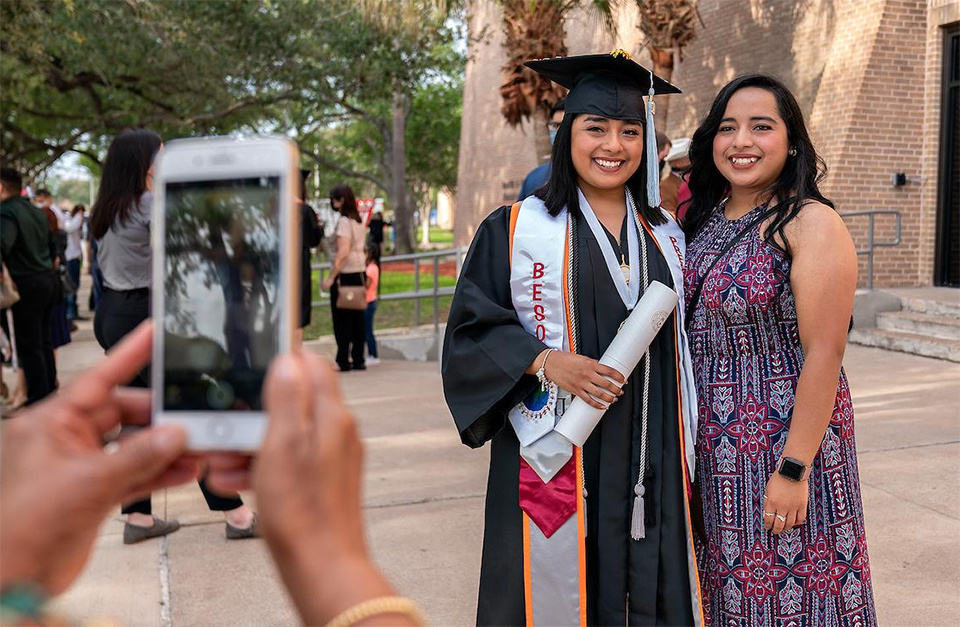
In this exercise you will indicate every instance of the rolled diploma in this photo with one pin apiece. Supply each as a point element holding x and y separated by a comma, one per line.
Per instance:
<point>624,353</point>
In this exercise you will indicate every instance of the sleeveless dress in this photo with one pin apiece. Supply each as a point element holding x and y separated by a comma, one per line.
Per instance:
<point>745,345</point>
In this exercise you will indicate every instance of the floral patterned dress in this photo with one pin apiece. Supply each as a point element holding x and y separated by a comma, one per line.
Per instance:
<point>747,355</point>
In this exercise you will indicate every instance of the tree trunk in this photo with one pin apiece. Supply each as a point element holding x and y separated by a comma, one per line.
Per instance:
<point>541,135</point>
<point>662,67</point>
<point>402,210</point>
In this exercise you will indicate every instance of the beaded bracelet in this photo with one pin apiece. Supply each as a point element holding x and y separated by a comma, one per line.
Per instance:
<point>374,607</point>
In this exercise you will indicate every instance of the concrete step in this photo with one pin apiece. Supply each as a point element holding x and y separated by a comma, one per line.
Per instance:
<point>948,308</point>
<point>912,343</point>
<point>945,327</point>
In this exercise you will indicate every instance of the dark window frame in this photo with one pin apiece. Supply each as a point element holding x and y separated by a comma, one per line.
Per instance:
<point>950,99</point>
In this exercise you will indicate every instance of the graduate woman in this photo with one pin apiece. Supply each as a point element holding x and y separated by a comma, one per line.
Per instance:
<point>771,274</point>
<point>598,535</point>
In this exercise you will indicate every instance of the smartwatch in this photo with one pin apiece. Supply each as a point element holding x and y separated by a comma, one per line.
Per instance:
<point>793,469</point>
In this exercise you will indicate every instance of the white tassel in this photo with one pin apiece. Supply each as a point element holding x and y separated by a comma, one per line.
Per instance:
<point>653,163</point>
<point>638,531</point>
<point>584,512</point>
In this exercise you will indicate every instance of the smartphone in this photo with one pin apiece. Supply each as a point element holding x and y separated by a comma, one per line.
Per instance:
<point>226,246</point>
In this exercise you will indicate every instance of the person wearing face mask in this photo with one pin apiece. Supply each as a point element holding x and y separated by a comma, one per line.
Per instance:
<point>679,164</point>
<point>598,534</point>
<point>539,175</point>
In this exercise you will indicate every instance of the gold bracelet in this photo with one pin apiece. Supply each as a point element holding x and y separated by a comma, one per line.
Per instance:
<point>375,607</point>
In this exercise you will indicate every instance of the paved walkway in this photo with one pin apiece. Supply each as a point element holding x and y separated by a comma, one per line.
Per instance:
<point>424,500</point>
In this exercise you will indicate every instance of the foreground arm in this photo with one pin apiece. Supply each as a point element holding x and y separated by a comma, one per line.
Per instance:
<point>55,469</point>
<point>823,277</point>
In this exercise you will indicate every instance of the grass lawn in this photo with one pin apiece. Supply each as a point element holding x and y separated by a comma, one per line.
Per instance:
<point>390,314</point>
<point>440,236</point>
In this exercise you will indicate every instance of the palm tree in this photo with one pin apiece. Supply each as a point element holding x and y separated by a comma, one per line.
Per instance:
<point>534,29</point>
<point>668,26</point>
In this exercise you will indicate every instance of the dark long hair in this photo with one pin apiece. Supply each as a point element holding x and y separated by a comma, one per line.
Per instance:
<point>560,190</point>
<point>349,206</point>
<point>798,182</point>
<point>124,178</point>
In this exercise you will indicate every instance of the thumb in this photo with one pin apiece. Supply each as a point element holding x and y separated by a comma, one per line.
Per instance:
<point>144,456</point>
<point>287,399</point>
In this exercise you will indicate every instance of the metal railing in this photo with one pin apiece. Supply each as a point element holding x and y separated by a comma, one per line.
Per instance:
<point>872,243</point>
<point>433,291</point>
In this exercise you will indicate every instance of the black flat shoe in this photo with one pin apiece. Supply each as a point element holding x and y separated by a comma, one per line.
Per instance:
<point>133,534</point>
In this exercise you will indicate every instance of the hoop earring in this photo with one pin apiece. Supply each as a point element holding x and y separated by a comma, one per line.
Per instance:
<point>792,152</point>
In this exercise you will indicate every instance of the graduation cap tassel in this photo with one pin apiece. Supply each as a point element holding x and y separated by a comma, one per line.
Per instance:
<point>638,529</point>
<point>653,163</point>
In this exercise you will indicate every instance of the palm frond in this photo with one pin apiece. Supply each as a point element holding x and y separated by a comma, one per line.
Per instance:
<point>668,24</point>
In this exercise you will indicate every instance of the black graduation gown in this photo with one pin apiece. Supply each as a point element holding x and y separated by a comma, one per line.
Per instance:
<point>485,353</point>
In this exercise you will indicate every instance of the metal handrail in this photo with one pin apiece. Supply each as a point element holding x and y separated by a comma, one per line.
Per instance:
<point>434,293</point>
<point>872,243</point>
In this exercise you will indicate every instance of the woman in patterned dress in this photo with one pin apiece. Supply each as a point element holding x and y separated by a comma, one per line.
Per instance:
<point>785,545</point>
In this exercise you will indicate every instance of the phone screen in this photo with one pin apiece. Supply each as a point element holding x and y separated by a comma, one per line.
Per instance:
<point>221,293</point>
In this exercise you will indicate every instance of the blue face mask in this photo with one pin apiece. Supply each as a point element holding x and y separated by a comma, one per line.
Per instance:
<point>553,135</point>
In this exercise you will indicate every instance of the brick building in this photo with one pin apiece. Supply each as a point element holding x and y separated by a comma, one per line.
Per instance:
<point>878,80</point>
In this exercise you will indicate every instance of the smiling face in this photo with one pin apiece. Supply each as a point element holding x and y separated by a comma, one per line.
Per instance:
<point>751,144</point>
<point>605,152</point>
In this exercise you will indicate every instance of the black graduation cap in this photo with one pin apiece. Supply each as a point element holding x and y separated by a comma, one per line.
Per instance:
<point>613,86</point>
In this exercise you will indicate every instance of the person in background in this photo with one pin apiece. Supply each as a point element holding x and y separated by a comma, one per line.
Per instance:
<point>538,176</point>
<point>373,289</point>
<point>663,149</point>
<point>60,326</point>
<point>311,234</point>
<point>307,478</point>
<point>670,184</point>
<point>376,226</point>
<point>73,226</point>
<point>348,269</point>
<point>771,272</point>
<point>121,227</point>
<point>28,251</point>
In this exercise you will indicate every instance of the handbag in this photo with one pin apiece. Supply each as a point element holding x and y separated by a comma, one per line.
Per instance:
<point>8,289</point>
<point>353,297</point>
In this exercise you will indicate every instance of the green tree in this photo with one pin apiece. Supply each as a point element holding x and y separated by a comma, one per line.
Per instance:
<point>344,85</point>
<point>74,73</point>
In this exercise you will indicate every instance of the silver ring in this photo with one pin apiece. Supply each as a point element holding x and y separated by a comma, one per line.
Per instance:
<point>781,518</point>
<point>768,514</point>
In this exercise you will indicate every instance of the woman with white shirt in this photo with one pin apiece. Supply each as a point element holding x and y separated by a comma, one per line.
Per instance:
<point>73,225</point>
<point>349,266</point>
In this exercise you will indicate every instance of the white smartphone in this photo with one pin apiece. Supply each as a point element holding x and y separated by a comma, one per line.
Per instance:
<point>226,280</point>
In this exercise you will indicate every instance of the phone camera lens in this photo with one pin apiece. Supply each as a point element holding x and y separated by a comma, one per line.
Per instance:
<point>220,395</point>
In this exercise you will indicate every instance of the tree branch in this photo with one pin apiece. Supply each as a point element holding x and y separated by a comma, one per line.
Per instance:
<point>347,171</point>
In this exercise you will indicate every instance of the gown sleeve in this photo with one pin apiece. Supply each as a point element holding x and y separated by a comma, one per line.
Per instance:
<point>485,349</point>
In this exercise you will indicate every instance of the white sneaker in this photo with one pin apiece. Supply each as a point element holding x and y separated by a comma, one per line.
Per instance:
<point>373,361</point>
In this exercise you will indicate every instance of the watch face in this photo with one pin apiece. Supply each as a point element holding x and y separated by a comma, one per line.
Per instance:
<point>791,469</point>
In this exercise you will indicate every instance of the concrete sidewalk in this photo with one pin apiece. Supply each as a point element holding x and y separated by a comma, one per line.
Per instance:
<point>424,506</point>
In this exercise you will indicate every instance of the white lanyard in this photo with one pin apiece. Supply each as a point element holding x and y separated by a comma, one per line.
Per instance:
<point>628,293</point>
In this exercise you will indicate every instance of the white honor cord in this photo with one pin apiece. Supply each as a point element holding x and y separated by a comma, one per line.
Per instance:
<point>637,527</point>
<point>629,294</point>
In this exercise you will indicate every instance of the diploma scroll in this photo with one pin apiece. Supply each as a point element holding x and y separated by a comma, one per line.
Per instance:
<point>624,353</point>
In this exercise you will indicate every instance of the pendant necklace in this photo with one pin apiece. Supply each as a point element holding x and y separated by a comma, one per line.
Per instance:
<point>625,269</point>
